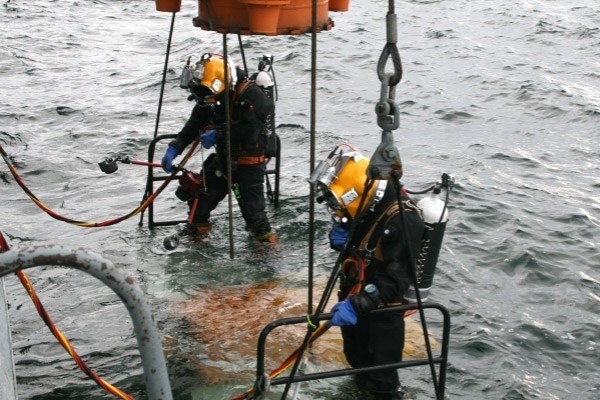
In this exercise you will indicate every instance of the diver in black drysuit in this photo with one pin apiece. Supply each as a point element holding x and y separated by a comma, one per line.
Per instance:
<point>379,338</point>
<point>250,107</point>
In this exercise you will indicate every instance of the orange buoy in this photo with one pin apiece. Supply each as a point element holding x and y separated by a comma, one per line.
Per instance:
<point>168,5</point>
<point>296,17</point>
<point>262,17</point>
<point>339,5</point>
<point>222,16</point>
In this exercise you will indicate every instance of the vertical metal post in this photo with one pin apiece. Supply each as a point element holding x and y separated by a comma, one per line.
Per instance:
<point>8,383</point>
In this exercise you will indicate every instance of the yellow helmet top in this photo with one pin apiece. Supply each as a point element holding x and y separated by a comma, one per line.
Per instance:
<point>209,72</point>
<point>342,181</point>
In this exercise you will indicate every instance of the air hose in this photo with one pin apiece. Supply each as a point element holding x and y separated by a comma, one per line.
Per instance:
<point>108,222</point>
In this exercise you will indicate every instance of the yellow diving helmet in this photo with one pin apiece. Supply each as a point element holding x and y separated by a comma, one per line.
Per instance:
<point>341,181</point>
<point>208,76</point>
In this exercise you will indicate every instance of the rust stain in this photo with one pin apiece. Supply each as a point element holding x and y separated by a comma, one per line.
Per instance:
<point>227,320</point>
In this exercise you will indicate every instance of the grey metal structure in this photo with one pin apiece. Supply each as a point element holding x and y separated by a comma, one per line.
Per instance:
<point>8,384</point>
<point>149,343</point>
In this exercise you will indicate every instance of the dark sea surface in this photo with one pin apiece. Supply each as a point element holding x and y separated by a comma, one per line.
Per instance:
<point>504,95</point>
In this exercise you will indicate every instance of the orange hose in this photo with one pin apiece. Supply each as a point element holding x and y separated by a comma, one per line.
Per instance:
<point>84,224</point>
<point>59,335</point>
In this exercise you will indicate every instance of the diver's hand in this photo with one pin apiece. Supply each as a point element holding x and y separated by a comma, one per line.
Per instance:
<point>337,237</point>
<point>208,138</point>
<point>344,314</point>
<point>167,160</point>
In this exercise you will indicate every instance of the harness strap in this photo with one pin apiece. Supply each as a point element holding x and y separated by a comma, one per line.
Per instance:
<point>369,242</point>
<point>355,266</point>
<point>249,160</point>
<point>369,245</point>
<point>241,88</point>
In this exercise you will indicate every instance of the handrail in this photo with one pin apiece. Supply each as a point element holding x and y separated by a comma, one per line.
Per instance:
<point>8,382</point>
<point>149,343</point>
<point>442,359</point>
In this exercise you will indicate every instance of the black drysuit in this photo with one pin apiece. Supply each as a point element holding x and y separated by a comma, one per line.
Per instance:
<point>379,338</point>
<point>250,108</point>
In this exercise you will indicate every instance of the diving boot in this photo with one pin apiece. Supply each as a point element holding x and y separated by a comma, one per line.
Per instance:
<point>394,395</point>
<point>202,229</point>
<point>269,237</point>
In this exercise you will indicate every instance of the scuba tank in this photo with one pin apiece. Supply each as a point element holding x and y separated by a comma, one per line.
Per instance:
<point>435,216</point>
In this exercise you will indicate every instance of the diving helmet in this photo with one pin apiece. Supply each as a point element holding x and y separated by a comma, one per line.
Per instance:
<point>204,76</point>
<point>341,182</point>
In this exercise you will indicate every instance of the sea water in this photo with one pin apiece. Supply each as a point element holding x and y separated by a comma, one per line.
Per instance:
<point>503,95</point>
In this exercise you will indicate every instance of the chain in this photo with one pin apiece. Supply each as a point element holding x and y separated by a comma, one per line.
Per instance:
<point>387,106</point>
<point>386,156</point>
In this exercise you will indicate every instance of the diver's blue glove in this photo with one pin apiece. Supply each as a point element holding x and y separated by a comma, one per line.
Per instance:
<point>344,314</point>
<point>337,237</point>
<point>167,160</point>
<point>208,138</point>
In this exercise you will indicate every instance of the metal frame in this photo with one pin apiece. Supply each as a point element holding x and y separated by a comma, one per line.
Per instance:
<point>275,171</point>
<point>8,382</point>
<point>442,360</point>
<point>148,339</point>
<point>151,179</point>
<point>150,185</point>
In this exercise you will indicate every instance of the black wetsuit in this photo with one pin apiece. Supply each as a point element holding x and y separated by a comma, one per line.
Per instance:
<point>379,338</point>
<point>250,109</point>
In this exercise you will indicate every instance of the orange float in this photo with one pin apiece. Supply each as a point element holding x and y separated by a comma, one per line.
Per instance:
<point>260,17</point>
<point>264,15</point>
<point>168,5</point>
<point>339,5</point>
<point>296,18</point>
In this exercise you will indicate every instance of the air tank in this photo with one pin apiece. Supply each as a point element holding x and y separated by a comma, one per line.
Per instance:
<point>435,216</point>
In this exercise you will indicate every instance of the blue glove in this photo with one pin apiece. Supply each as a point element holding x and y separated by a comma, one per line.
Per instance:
<point>337,237</point>
<point>208,138</point>
<point>167,160</point>
<point>344,314</point>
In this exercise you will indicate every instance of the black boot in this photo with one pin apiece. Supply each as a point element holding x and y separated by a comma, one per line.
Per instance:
<point>395,395</point>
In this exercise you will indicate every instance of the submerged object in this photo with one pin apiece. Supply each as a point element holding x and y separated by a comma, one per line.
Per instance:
<point>225,318</point>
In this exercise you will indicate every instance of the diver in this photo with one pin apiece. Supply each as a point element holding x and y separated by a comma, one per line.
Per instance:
<point>250,109</point>
<point>376,268</point>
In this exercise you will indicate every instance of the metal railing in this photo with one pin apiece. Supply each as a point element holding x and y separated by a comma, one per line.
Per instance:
<point>148,339</point>
<point>441,360</point>
<point>272,192</point>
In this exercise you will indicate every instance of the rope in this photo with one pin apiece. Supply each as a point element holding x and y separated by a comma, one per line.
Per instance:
<point>85,224</point>
<point>64,342</point>
<point>160,101</point>
<point>296,357</point>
